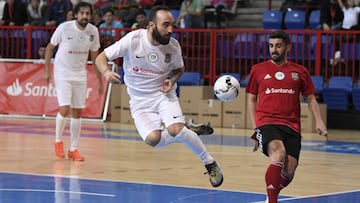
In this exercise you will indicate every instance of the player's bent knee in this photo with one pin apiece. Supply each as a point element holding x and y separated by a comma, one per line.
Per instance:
<point>175,128</point>
<point>153,139</point>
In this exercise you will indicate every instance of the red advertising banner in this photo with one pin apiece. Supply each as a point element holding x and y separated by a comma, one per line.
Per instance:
<point>23,91</point>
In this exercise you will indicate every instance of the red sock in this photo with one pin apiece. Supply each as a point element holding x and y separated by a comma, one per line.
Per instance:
<point>273,180</point>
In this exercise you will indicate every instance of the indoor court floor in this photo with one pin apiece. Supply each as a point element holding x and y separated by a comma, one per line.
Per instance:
<point>120,167</point>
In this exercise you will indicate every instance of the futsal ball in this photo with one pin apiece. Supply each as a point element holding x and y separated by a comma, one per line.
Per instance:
<point>226,88</point>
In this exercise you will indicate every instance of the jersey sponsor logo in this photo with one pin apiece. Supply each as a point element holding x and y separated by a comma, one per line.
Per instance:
<point>138,56</point>
<point>92,38</point>
<point>146,72</point>
<point>167,58</point>
<point>153,57</point>
<point>81,37</point>
<point>267,76</point>
<point>69,38</point>
<point>279,75</point>
<point>178,116</point>
<point>295,76</point>
<point>279,91</point>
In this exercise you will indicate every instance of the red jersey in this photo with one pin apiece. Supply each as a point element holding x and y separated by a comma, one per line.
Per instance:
<point>278,90</point>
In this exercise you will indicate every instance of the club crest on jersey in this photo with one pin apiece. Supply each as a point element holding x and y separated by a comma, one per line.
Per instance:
<point>81,37</point>
<point>279,75</point>
<point>167,58</point>
<point>295,76</point>
<point>91,38</point>
<point>153,57</point>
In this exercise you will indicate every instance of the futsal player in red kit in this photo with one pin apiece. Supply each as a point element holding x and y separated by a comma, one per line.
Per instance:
<point>273,99</point>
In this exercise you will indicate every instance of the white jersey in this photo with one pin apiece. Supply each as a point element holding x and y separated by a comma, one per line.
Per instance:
<point>73,51</point>
<point>350,17</point>
<point>145,66</point>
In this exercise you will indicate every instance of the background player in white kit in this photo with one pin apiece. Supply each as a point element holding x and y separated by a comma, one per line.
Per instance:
<point>76,39</point>
<point>152,65</point>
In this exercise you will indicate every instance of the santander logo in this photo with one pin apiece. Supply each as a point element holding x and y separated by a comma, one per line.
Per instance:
<point>15,89</point>
<point>31,90</point>
<point>279,91</point>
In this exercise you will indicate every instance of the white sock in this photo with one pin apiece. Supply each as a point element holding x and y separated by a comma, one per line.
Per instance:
<point>75,127</point>
<point>166,139</point>
<point>60,125</point>
<point>194,143</point>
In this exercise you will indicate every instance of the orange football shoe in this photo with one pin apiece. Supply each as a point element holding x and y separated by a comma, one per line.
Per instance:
<point>75,155</point>
<point>59,149</point>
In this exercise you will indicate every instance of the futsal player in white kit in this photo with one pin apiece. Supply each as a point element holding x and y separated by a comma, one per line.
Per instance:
<point>75,39</point>
<point>152,63</point>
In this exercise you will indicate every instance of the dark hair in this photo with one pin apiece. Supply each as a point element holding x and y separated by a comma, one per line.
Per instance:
<point>82,4</point>
<point>109,10</point>
<point>155,9</point>
<point>280,35</point>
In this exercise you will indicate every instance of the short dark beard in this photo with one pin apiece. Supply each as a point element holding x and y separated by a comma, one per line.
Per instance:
<point>157,36</point>
<point>278,59</point>
<point>81,24</point>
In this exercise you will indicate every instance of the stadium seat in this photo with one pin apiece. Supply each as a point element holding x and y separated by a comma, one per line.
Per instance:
<point>318,83</point>
<point>245,45</point>
<point>190,78</point>
<point>263,46</point>
<point>226,48</point>
<point>175,13</point>
<point>243,83</point>
<point>39,37</point>
<point>338,92</point>
<point>235,75</point>
<point>300,47</point>
<point>342,82</point>
<point>335,98</point>
<point>295,20</point>
<point>356,98</point>
<point>272,19</point>
<point>314,19</point>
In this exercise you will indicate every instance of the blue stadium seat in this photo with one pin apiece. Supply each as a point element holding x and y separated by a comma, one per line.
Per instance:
<point>300,47</point>
<point>342,82</point>
<point>190,78</point>
<point>338,92</point>
<point>245,45</point>
<point>318,83</point>
<point>39,37</point>
<point>327,46</point>
<point>272,19</point>
<point>243,83</point>
<point>226,49</point>
<point>235,75</point>
<point>356,98</point>
<point>314,19</point>
<point>175,13</point>
<point>263,44</point>
<point>335,98</point>
<point>295,20</point>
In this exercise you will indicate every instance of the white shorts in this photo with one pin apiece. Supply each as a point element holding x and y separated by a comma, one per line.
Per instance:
<point>156,113</point>
<point>71,93</point>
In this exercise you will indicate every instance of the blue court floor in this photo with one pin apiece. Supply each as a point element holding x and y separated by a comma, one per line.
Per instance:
<point>23,188</point>
<point>20,188</point>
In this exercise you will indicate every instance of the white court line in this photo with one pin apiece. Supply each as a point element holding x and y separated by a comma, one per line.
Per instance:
<point>56,191</point>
